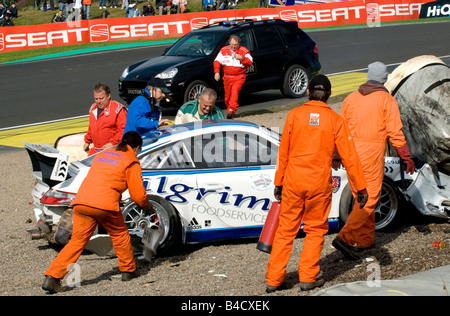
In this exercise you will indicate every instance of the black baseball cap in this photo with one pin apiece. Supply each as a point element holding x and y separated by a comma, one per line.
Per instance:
<point>320,82</point>
<point>158,83</point>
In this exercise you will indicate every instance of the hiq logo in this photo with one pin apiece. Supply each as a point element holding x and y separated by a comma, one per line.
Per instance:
<point>2,41</point>
<point>99,33</point>
<point>437,10</point>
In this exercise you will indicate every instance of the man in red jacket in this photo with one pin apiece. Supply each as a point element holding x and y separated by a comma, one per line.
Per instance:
<point>107,119</point>
<point>235,60</point>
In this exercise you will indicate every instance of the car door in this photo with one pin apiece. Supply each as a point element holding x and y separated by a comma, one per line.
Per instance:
<point>268,58</point>
<point>237,182</point>
<point>170,171</point>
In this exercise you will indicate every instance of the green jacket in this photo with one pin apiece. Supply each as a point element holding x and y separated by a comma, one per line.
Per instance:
<point>188,112</point>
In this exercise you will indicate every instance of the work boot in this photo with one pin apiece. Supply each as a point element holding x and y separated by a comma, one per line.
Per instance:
<point>128,276</point>
<point>348,251</point>
<point>307,286</point>
<point>229,114</point>
<point>51,285</point>
<point>271,289</point>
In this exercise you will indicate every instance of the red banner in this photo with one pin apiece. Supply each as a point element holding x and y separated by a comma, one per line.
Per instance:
<point>367,12</point>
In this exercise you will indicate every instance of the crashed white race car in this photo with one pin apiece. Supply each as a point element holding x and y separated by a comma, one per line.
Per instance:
<point>207,181</point>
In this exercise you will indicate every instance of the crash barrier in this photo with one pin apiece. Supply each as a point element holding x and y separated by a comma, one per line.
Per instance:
<point>369,12</point>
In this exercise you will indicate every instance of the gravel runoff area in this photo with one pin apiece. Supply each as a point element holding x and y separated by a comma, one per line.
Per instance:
<point>231,268</point>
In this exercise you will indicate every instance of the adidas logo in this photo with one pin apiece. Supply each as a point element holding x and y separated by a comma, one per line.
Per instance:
<point>193,225</point>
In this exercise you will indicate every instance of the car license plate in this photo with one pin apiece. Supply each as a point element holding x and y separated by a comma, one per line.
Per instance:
<point>135,91</point>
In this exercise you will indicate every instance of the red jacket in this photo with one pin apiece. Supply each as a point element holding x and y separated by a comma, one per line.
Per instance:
<point>108,127</point>
<point>111,173</point>
<point>232,66</point>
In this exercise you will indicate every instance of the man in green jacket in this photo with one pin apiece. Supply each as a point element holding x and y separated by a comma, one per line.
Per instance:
<point>201,109</point>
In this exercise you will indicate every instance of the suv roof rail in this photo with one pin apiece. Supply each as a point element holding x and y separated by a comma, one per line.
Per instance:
<point>232,23</point>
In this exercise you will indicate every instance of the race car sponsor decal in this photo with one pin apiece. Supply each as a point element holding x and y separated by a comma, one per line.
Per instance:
<point>193,224</point>
<point>261,182</point>
<point>228,213</point>
<point>176,193</point>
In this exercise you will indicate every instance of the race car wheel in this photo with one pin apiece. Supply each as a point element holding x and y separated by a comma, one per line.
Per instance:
<point>386,211</point>
<point>296,80</point>
<point>193,90</point>
<point>163,212</point>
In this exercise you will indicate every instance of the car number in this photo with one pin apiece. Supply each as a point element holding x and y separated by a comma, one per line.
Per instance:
<point>147,237</point>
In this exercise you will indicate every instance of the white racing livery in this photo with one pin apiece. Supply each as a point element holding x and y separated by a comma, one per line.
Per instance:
<point>207,181</point>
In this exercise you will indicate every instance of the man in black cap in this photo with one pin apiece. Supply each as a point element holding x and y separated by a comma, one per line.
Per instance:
<point>310,135</point>
<point>144,113</point>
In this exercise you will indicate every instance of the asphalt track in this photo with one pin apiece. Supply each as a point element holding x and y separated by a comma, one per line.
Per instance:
<point>42,99</point>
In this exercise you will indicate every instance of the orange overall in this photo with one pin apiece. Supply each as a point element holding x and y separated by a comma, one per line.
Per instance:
<point>310,135</point>
<point>97,201</point>
<point>372,115</point>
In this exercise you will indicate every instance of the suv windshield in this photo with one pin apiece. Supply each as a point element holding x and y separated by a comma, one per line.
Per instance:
<point>196,44</point>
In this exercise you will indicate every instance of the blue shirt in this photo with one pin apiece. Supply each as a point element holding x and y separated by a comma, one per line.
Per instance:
<point>140,117</point>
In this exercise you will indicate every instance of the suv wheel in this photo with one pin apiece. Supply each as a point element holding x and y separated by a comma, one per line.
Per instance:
<point>295,82</point>
<point>193,90</point>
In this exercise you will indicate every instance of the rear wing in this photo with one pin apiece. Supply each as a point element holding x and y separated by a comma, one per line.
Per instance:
<point>49,164</point>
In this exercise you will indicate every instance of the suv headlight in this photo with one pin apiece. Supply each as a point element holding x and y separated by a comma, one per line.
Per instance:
<point>124,73</point>
<point>167,74</point>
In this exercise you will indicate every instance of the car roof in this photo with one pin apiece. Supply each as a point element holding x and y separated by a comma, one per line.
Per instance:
<point>236,24</point>
<point>153,136</point>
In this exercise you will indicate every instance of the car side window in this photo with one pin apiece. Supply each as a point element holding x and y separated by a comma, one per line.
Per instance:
<point>172,156</point>
<point>246,39</point>
<point>237,149</point>
<point>288,34</point>
<point>267,37</point>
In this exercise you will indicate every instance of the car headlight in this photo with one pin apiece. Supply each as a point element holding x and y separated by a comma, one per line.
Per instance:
<point>167,74</point>
<point>124,73</point>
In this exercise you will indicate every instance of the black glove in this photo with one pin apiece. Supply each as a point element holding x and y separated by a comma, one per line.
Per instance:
<point>148,209</point>
<point>363,196</point>
<point>277,192</point>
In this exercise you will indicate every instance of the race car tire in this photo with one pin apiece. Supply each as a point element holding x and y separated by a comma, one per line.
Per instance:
<point>387,211</point>
<point>136,221</point>
<point>295,82</point>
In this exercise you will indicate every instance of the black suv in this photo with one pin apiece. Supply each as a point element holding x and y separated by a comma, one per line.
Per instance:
<point>284,57</point>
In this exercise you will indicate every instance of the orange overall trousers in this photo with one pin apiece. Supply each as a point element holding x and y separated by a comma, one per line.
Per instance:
<point>85,220</point>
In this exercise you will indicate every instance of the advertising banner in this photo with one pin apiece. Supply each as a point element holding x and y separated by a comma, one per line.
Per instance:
<point>369,12</point>
<point>435,9</point>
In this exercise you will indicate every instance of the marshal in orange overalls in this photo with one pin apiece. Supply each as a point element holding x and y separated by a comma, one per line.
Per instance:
<point>372,115</point>
<point>97,201</point>
<point>310,135</point>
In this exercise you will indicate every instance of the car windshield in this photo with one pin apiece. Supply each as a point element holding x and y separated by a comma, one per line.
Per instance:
<point>196,44</point>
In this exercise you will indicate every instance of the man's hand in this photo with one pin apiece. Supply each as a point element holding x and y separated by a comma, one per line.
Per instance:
<point>277,192</point>
<point>217,76</point>
<point>148,209</point>
<point>363,196</point>
<point>163,122</point>
<point>86,147</point>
